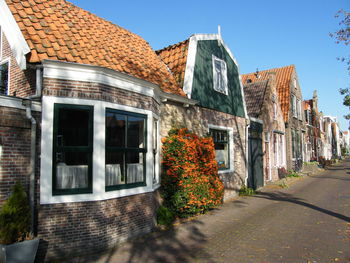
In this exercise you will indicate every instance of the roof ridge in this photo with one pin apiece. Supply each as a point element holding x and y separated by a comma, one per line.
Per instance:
<point>171,46</point>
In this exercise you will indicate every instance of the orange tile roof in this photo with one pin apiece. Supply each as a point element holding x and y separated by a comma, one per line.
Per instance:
<point>175,56</point>
<point>283,80</point>
<point>59,30</point>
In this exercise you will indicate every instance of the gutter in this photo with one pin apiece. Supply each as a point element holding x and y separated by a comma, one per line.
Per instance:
<point>28,104</point>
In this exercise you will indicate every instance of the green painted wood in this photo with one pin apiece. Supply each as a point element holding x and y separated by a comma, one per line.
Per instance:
<point>202,87</point>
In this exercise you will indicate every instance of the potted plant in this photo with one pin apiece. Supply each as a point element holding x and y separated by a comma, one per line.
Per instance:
<point>17,244</point>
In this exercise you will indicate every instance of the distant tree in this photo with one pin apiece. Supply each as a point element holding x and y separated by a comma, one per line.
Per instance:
<point>342,36</point>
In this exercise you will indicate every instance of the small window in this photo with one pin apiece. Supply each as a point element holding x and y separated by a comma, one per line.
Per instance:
<point>299,109</point>
<point>221,142</point>
<point>72,150</point>
<point>220,75</point>
<point>4,78</point>
<point>125,149</point>
<point>294,106</point>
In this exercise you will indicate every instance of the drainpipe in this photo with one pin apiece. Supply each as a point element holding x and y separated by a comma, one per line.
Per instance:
<point>28,104</point>
<point>247,151</point>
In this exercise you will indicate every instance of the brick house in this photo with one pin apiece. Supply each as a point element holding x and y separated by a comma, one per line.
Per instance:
<point>290,99</point>
<point>314,132</point>
<point>80,107</point>
<point>262,104</point>
<point>208,73</point>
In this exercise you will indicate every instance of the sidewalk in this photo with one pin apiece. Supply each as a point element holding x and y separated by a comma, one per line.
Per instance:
<point>184,241</point>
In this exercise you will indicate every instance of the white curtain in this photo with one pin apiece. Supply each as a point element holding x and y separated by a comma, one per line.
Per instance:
<point>134,172</point>
<point>113,174</point>
<point>71,176</point>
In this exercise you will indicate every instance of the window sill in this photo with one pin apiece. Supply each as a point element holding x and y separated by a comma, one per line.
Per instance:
<point>225,171</point>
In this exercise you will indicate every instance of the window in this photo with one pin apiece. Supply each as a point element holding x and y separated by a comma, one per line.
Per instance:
<point>220,75</point>
<point>294,106</point>
<point>125,149</point>
<point>221,142</point>
<point>72,149</point>
<point>293,144</point>
<point>299,109</point>
<point>4,78</point>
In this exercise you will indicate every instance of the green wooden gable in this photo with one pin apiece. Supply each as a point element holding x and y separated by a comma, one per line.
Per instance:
<point>202,87</point>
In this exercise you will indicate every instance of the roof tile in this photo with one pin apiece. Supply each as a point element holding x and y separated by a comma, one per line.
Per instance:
<point>283,80</point>
<point>68,33</point>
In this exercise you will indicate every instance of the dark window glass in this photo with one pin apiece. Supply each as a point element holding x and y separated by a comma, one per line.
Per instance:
<point>73,127</point>
<point>135,132</point>
<point>115,129</point>
<point>4,78</point>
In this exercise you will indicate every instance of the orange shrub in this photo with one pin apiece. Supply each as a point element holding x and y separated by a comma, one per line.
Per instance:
<point>190,181</point>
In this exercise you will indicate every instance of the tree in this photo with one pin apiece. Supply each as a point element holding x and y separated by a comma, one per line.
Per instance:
<point>342,36</point>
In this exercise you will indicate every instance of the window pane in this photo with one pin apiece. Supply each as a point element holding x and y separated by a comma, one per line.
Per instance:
<point>115,129</point>
<point>136,132</point>
<point>220,139</point>
<point>4,78</point>
<point>134,167</point>
<point>115,174</point>
<point>72,170</point>
<point>73,127</point>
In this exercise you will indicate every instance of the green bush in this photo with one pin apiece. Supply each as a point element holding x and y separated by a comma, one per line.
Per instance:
<point>292,173</point>
<point>165,216</point>
<point>246,191</point>
<point>15,216</point>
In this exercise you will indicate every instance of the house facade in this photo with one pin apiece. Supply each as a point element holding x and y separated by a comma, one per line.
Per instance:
<point>206,70</point>
<point>290,100</point>
<point>262,104</point>
<point>314,131</point>
<point>80,103</point>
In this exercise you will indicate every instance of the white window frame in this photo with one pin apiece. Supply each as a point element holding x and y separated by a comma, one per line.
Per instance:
<point>223,73</point>
<point>156,167</point>
<point>98,169</point>
<point>230,146</point>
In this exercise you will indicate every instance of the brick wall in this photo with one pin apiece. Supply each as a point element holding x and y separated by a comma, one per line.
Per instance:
<point>198,119</point>
<point>22,82</point>
<point>96,91</point>
<point>87,227</point>
<point>15,149</point>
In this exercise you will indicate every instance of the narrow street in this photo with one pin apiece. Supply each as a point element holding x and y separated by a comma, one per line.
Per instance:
<point>306,222</point>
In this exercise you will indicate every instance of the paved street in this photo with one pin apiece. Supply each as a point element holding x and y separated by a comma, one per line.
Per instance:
<point>306,222</point>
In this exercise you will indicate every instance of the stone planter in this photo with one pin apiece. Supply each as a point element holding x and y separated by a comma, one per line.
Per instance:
<point>21,252</point>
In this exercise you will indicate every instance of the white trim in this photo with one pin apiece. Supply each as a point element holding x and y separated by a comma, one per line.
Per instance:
<point>14,102</point>
<point>95,74</point>
<point>7,60</point>
<point>99,192</point>
<point>256,120</point>
<point>13,35</point>
<point>230,146</point>
<point>191,61</point>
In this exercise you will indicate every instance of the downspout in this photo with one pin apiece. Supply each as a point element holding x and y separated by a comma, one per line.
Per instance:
<point>28,104</point>
<point>247,152</point>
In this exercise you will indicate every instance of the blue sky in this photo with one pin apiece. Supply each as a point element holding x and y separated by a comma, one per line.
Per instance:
<point>261,34</point>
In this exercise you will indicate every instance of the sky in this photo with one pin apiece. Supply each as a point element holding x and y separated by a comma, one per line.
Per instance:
<point>261,34</point>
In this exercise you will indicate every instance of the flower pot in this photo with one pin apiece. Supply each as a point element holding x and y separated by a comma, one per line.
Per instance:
<point>21,252</point>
